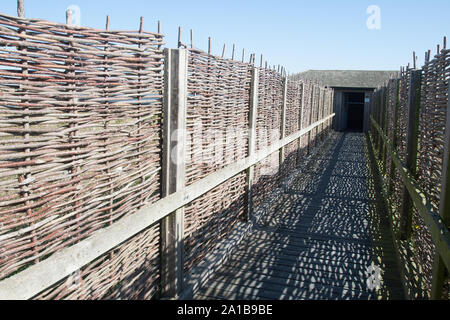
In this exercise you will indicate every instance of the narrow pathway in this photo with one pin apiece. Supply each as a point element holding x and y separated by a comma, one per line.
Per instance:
<point>322,235</point>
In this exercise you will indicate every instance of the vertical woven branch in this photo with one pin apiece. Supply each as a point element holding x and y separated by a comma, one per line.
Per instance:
<point>301,112</point>
<point>140,112</point>
<point>311,117</point>
<point>252,116</point>
<point>20,9</point>
<point>25,179</point>
<point>72,107</point>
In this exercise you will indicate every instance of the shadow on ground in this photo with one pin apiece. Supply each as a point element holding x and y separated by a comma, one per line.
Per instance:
<point>322,235</point>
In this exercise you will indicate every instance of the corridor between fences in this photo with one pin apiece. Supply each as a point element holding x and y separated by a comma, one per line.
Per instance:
<point>321,235</point>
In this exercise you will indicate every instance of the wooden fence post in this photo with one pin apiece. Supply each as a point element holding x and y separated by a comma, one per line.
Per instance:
<point>322,115</point>
<point>411,150</point>
<point>283,128</point>
<point>394,136</point>
<point>385,125</point>
<point>439,270</point>
<point>253,109</point>
<point>317,117</point>
<point>300,123</point>
<point>331,110</point>
<point>330,104</point>
<point>173,169</point>
<point>380,121</point>
<point>311,117</point>
<point>376,113</point>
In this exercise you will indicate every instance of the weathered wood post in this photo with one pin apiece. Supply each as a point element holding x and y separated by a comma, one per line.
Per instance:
<point>283,129</point>
<point>316,130</point>
<point>376,116</point>
<point>398,83</point>
<point>300,123</point>
<point>319,115</point>
<point>411,151</point>
<point>439,270</point>
<point>331,110</point>
<point>385,126</point>
<point>250,172</point>
<point>382,110</point>
<point>366,114</point>
<point>311,118</point>
<point>173,169</point>
<point>322,115</point>
<point>327,112</point>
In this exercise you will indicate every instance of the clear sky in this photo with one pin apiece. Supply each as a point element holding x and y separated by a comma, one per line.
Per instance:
<point>301,35</point>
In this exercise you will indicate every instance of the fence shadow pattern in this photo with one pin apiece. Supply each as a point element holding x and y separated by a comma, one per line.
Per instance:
<point>316,235</point>
<point>81,114</point>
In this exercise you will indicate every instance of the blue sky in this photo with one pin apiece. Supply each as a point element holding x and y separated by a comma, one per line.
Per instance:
<point>300,35</point>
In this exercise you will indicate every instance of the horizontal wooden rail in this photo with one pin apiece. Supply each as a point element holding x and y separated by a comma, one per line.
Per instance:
<point>38,277</point>
<point>437,228</point>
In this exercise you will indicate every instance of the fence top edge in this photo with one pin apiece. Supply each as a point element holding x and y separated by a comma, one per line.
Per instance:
<point>26,23</point>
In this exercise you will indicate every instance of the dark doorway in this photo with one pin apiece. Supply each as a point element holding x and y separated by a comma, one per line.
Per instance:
<point>354,103</point>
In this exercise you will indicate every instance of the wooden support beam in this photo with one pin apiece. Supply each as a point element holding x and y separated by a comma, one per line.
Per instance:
<point>439,270</point>
<point>311,117</point>
<point>317,131</point>
<point>381,111</point>
<point>173,169</point>
<point>384,122</point>
<point>250,171</point>
<point>283,128</point>
<point>398,84</point>
<point>411,151</point>
<point>367,105</point>
<point>331,110</point>
<point>322,113</point>
<point>375,110</point>
<point>300,122</point>
<point>179,45</point>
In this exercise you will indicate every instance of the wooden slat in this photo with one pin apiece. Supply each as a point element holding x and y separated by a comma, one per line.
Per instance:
<point>412,138</point>
<point>283,126</point>
<point>173,175</point>
<point>394,135</point>
<point>300,122</point>
<point>250,172</point>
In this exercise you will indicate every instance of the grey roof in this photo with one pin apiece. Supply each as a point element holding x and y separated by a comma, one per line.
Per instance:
<point>348,78</point>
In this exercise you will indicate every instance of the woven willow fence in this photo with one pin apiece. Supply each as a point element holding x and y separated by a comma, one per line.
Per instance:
<point>84,125</point>
<point>412,114</point>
